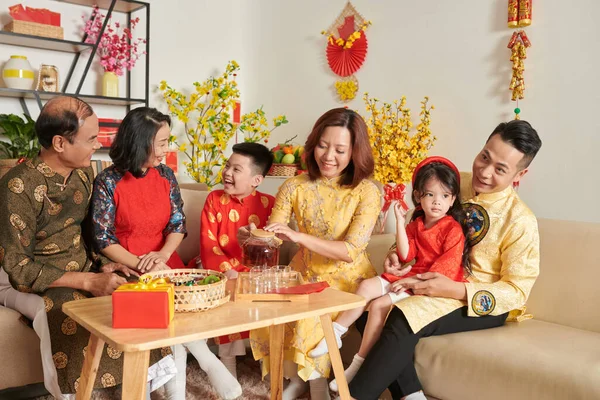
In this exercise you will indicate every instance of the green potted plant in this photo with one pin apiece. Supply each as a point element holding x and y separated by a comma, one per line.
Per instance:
<point>22,141</point>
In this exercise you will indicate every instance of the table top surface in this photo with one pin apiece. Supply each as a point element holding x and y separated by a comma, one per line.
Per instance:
<point>95,315</point>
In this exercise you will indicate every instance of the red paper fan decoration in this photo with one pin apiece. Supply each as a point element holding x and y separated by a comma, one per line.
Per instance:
<point>345,62</point>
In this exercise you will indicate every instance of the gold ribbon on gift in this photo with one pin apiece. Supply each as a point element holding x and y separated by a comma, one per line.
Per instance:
<point>147,284</point>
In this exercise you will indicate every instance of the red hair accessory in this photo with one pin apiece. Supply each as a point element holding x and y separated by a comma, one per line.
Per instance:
<point>433,159</point>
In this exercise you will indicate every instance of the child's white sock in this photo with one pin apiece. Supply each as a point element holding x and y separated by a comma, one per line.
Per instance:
<point>230,363</point>
<point>416,396</point>
<point>220,378</point>
<point>321,348</point>
<point>295,389</point>
<point>175,387</point>
<point>350,372</point>
<point>319,389</point>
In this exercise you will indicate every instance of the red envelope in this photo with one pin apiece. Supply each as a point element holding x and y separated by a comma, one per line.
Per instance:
<point>307,288</point>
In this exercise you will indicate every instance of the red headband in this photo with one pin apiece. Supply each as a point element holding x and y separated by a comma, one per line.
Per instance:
<point>434,159</point>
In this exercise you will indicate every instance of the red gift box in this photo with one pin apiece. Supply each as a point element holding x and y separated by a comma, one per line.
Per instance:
<point>108,130</point>
<point>30,14</point>
<point>143,305</point>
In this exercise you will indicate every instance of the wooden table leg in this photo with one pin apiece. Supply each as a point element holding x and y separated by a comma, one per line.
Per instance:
<point>276,337</point>
<point>135,375</point>
<point>336,359</point>
<point>90,368</point>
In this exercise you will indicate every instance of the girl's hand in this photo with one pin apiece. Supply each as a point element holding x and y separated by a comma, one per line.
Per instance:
<point>399,212</point>
<point>159,266</point>
<point>284,232</point>
<point>403,284</point>
<point>147,261</point>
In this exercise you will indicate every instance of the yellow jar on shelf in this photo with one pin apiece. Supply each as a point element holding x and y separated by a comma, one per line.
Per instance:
<point>110,84</point>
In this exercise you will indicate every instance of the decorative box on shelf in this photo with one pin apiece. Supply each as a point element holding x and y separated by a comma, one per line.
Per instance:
<point>108,131</point>
<point>35,21</point>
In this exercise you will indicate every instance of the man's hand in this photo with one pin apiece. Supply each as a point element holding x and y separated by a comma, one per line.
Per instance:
<point>284,232</point>
<point>103,283</point>
<point>392,265</point>
<point>243,233</point>
<point>115,267</point>
<point>434,284</point>
<point>147,261</point>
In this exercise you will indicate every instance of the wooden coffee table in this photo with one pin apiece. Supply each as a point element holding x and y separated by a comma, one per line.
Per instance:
<point>95,315</point>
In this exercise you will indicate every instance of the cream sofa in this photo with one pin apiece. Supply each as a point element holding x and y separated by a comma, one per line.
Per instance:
<point>554,356</point>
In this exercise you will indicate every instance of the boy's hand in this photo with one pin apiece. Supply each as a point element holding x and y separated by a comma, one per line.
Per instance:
<point>400,213</point>
<point>243,233</point>
<point>231,274</point>
<point>159,266</point>
<point>115,267</point>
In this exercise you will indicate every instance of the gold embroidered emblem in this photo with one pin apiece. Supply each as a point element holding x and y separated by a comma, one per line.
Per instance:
<point>211,217</point>
<point>24,262</point>
<point>54,209</point>
<point>234,262</point>
<point>72,266</point>
<point>211,235</point>
<point>50,249</point>
<point>225,266</point>
<point>217,251</point>
<point>219,217</point>
<point>78,197</point>
<point>16,185</point>
<point>25,241</point>
<point>68,327</point>
<point>234,216</point>
<point>69,221</point>
<point>224,199</point>
<point>82,175</point>
<point>265,201</point>
<point>41,235</point>
<point>113,353</point>
<point>76,241</point>
<point>39,193</point>
<point>108,380</point>
<point>78,296</point>
<point>48,303</point>
<point>253,219</point>
<point>223,240</point>
<point>17,222</point>
<point>45,170</point>
<point>60,360</point>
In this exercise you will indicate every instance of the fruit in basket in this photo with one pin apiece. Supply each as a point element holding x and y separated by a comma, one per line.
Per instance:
<point>210,279</point>
<point>288,159</point>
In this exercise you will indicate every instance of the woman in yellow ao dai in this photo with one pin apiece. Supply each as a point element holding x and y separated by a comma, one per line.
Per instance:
<point>335,207</point>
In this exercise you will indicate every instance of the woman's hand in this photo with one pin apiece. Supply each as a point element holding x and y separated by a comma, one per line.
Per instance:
<point>284,232</point>
<point>434,284</point>
<point>147,261</point>
<point>159,266</point>
<point>116,267</point>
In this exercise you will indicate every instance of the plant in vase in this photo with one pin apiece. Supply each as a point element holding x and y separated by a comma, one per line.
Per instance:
<point>23,143</point>
<point>396,149</point>
<point>208,126</point>
<point>117,50</point>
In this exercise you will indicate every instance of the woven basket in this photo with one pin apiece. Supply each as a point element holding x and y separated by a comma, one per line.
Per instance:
<point>35,29</point>
<point>283,170</point>
<point>197,297</point>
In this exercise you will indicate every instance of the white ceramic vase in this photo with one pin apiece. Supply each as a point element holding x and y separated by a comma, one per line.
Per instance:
<point>18,74</point>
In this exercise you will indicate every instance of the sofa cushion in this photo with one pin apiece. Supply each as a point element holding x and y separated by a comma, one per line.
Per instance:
<point>527,360</point>
<point>566,292</point>
<point>193,203</point>
<point>24,366</point>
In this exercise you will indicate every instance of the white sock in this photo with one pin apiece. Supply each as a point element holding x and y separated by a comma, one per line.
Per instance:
<point>230,362</point>
<point>319,389</point>
<point>175,387</point>
<point>321,347</point>
<point>220,378</point>
<point>416,396</point>
<point>350,372</point>
<point>295,389</point>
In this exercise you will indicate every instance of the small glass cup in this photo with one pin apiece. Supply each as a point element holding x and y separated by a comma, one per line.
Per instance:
<point>282,275</point>
<point>257,279</point>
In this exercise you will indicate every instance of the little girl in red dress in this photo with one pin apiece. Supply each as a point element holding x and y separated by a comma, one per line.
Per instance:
<point>435,239</point>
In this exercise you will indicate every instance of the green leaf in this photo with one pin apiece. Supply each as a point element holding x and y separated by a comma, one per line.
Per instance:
<point>277,156</point>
